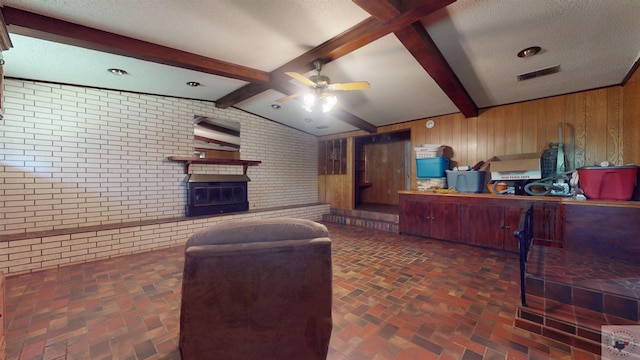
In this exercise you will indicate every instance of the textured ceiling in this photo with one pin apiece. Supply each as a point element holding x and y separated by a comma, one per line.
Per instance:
<point>595,42</point>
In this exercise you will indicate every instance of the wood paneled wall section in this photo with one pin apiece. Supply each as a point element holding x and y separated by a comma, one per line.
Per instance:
<point>594,129</point>
<point>338,190</point>
<point>631,120</point>
<point>386,171</point>
<point>591,122</point>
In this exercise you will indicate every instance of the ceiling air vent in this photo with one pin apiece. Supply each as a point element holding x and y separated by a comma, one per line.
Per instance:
<point>322,127</point>
<point>538,73</point>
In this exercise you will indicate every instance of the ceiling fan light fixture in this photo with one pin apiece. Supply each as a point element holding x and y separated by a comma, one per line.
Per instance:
<point>328,102</point>
<point>308,102</point>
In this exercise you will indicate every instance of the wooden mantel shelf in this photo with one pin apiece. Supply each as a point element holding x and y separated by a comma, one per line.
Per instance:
<point>188,160</point>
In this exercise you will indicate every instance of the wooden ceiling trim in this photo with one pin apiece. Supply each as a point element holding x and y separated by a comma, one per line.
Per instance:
<point>416,39</point>
<point>46,28</point>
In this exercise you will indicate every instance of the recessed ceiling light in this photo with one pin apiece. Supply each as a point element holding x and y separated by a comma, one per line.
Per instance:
<point>275,106</point>
<point>117,72</point>
<point>193,83</point>
<point>528,52</point>
<point>308,120</point>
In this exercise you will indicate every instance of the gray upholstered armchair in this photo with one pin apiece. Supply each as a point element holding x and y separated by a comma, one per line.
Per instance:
<point>257,289</point>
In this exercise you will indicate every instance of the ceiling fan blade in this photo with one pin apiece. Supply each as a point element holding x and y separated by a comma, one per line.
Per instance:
<point>358,85</point>
<point>293,96</point>
<point>301,78</point>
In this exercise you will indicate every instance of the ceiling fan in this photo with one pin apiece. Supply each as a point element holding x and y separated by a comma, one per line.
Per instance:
<point>320,89</point>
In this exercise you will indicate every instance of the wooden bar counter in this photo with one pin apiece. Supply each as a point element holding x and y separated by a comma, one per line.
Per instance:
<point>490,220</point>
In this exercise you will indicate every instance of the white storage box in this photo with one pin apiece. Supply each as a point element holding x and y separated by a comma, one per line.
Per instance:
<point>516,167</point>
<point>429,151</point>
<point>432,183</point>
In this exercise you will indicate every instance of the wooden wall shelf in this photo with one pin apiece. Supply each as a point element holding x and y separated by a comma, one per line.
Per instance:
<point>188,160</point>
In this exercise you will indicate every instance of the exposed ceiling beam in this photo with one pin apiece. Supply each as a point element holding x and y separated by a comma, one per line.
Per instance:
<point>416,39</point>
<point>354,38</point>
<point>351,119</point>
<point>46,28</point>
<point>5,41</point>
<point>362,34</point>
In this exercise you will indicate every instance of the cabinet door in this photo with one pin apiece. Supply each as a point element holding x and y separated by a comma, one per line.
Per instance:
<point>510,225</point>
<point>415,217</point>
<point>445,221</point>
<point>482,225</point>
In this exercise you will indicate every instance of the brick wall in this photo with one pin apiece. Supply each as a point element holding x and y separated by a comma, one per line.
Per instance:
<point>46,251</point>
<point>72,157</point>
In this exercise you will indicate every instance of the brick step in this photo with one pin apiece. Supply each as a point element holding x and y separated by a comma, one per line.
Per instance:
<point>569,324</point>
<point>369,219</point>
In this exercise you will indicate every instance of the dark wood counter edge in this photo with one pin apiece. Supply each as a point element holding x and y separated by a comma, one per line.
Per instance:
<point>106,227</point>
<point>560,199</point>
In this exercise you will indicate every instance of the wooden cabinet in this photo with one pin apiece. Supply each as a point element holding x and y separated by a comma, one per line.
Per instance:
<point>478,219</point>
<point>482,225</point>
<point>490,226</point>
<point>437,220</point>
<point>608,229</point>
<point>445,221</point>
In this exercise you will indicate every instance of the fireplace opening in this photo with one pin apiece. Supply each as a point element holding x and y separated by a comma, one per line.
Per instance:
<point>216,194</point>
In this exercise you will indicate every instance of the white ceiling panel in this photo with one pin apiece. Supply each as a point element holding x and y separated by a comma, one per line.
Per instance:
<point>595,42</point>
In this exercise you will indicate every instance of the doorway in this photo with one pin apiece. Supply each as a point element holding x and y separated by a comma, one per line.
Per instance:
<point>381,169</point>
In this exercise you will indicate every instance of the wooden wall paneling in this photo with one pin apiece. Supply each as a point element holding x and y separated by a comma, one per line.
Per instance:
<point>481,136</point>
<point>499,130</point>
<point>472,141</point>
<point>596,112</point>
<point>322,189</point>
<point>445,130</point>
<point>601,124</point>
<point>631,124</point>
<point>580,153</point>
<point>541,126</point>
<point>631,120</point>
<point>529,128</point>
<point>460,141</point>
<point>553,114</point>
<point>513,129</point>
<point>568,131</point>
<point>334,189</point>
<point>614,150</point>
